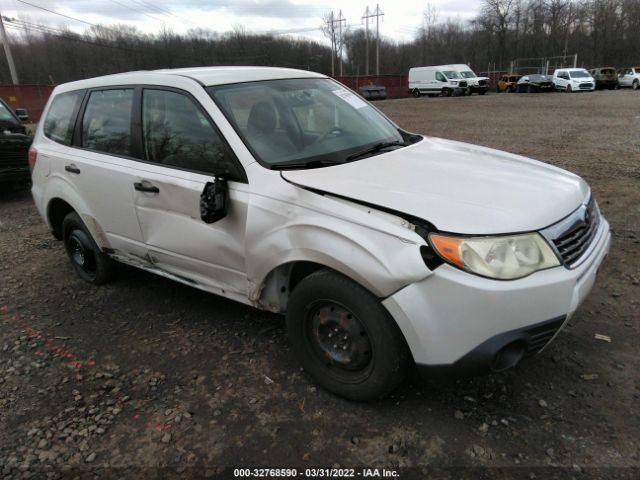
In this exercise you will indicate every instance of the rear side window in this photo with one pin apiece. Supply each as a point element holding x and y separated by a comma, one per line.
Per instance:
<point>106,125</point>
<point>176,133</point>
<point>61,118</point>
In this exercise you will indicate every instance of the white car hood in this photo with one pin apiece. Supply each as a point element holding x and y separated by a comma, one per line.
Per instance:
<point>457,187</point>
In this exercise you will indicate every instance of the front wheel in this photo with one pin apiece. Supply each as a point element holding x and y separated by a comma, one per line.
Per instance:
<point>446,92</point>
<point>568,89</point>
<point>635,85</point>
<point>344,337</point>
<point>87,259</point>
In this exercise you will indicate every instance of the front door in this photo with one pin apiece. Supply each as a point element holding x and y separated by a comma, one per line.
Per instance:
<point>183,151</point>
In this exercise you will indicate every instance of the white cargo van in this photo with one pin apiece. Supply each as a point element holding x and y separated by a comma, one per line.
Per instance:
<point>437,80</point>
<point>476,84</point>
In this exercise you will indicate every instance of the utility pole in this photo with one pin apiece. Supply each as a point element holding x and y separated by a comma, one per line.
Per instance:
<point>378,13</point>
<point>332,32</point>
<point>7,51</point>
<point>331,27</point>
<point>340,21</point>
<point>367,15</point>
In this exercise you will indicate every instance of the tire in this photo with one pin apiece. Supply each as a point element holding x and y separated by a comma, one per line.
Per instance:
<point>86,258</point>
<point>327,303</point>
<point>416,93</point>
<point>635,85</point>
<point>568,89</point>
<point>446,92</point>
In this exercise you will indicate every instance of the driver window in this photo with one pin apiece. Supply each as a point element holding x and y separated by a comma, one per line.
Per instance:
<point>177,133</point>
<point>440,77</point>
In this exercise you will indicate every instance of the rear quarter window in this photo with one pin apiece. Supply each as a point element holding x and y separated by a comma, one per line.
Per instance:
<point>61,117</point>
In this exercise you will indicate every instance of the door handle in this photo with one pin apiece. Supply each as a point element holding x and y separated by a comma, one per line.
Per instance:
<point>141,187</point>
<point>72,169</point>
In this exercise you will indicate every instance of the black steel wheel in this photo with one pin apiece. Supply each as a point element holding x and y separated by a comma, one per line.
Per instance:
<point>345,338</point>
<point>87,259</point>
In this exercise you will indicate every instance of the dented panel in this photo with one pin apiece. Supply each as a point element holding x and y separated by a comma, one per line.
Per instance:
<point>287,224</point>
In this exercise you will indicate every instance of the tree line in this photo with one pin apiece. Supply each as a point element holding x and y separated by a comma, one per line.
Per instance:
<point>601,32</point>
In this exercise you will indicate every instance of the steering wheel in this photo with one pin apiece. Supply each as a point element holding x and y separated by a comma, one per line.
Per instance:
<point>335,131</point>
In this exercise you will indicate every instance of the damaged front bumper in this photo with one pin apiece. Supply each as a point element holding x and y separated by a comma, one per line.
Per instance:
<point>457,322</point>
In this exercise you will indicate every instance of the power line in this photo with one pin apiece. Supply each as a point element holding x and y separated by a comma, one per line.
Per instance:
<point>57,13</point>
<point>42,29</point>
<point>133,9</point>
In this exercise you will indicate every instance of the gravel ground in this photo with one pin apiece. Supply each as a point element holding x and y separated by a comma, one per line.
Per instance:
<point>146,377</point>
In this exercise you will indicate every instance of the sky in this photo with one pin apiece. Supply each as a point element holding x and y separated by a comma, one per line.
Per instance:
<point>291,17</point>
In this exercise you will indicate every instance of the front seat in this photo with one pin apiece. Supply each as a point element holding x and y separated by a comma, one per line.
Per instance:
<point>271,145</point>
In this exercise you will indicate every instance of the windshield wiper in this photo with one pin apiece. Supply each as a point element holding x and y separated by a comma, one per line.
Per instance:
<point>311,164</point>
<point>375,149</point>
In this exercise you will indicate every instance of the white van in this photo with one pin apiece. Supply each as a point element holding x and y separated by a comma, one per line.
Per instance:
<point>284,190</point>
<point>573,80</point>
<point>476,84</point>
<point>437,80</point>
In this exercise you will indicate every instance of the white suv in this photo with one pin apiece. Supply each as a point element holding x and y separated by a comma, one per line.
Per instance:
<point>573,80</point>
<point>284,190</point>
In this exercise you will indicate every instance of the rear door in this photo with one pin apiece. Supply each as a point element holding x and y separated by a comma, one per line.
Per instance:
<point>182,150</point>
<point>94,157</point>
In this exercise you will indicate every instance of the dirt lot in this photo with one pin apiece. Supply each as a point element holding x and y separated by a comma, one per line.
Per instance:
<point>146,376</point>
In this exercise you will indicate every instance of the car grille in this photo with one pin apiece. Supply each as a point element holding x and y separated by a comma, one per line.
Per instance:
<point>13,159</point>
<point>539,336</point>
<point>482,83</point>
<point>586,85</point>
<point>463,84</point>
<point>574,241</point>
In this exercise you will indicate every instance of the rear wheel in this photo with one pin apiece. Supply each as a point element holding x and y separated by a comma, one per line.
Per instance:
<point>635,85</point>
<point>87,259</point>
<point>416,93</point>
<point>344,338</point>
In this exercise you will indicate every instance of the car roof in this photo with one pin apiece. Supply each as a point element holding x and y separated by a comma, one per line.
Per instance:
<point>207,76</point>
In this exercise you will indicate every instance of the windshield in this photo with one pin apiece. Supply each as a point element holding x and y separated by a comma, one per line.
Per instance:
<point>468,74</point>
<point>451,74</point>
<point>579,74</point>
<point>302,120</point>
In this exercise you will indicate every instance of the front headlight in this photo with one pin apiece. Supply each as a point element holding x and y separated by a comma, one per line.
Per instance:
<point>503,258</point>
<point>454,83</point>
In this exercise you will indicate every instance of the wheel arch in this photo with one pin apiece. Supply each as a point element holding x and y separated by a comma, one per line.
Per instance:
<point>60,205</point>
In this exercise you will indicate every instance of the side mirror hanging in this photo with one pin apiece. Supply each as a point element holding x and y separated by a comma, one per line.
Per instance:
<point>214,201</point>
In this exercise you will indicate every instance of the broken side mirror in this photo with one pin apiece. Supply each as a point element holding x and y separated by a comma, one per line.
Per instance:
<point>214,201</point>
